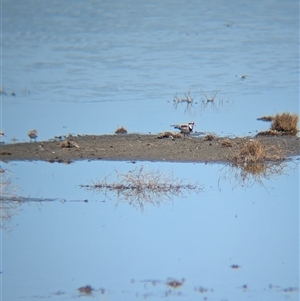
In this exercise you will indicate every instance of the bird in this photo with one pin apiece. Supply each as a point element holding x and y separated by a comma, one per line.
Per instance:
<point>2,134</point>
<point>242,77</point>
<point>185,128</point>
<point>32,135</point>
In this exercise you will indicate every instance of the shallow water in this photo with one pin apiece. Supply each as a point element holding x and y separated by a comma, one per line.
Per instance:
<point>94,67</point>
<point>91,67</point>
<point>225,242</point>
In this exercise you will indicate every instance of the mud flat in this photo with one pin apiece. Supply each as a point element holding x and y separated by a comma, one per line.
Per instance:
<point>135,147</point>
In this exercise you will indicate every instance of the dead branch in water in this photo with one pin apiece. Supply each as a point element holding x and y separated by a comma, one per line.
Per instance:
<point>212,97</point>
<point>188,99</point>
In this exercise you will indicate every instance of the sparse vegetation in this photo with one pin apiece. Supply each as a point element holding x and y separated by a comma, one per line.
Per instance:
<point>282,124</point>
<point>209,137</point>
<point>121,130</point>
<point>266,118</point>
<point>140,187</point>
<point>253,163</point>
<point>285,123</point>
<point>207,99</point>
<point>68,144</point>
<point>188,99</point>
<point>253,152</point>
<point>268,133</point>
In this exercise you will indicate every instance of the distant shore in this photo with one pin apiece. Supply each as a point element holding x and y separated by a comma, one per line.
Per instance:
<point>135,147</point>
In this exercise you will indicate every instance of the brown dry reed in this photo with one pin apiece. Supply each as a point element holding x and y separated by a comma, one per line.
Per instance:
<point>254,162</point>
<point>268,133</point>
<point>285,123</point>
<point>266,118</point>
<point>281,124</point>
<point>253,152</point>
<point>121,130</point>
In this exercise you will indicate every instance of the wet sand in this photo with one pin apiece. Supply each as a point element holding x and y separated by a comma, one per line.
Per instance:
<point>135,147</point>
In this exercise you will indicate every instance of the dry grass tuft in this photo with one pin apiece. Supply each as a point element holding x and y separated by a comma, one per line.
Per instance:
<point>121,130</point>
<point>285,123</point>
<point>226,143</point>
<point>266,118</point>
<point>282,124</point>
<point>209,137</point>
<point>169,135</point>
<point>68,144</point>
<point>254,162</point>
<point>253,152</point>
<point>268,133</point>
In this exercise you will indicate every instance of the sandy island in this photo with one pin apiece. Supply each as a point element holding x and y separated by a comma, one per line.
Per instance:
<point>135,147</point>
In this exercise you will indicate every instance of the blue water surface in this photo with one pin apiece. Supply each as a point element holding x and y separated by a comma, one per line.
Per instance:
<point>93,66</point>
<point>87,67</point>
<point>222,240</point>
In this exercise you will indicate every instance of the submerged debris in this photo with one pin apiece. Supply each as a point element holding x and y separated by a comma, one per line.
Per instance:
<point>85,289</point>
<point>174,283</point>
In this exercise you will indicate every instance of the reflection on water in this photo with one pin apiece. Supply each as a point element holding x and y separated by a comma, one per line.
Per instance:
<point>213,101</point>
<point>211,244</point>
<point>8,205</point>
<point>250,174</point>
<point>93,67</point>
<point>253,163</point>
<point>140,187</point>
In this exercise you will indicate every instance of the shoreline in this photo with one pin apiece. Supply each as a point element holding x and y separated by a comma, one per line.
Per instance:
<point>135,147</point>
